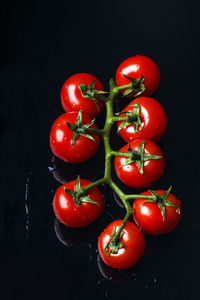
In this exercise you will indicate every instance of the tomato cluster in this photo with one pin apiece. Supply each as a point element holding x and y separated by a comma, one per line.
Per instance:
<point>74,138</point>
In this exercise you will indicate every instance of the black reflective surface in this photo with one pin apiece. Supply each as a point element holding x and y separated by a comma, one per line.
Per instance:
<point>43,43</point>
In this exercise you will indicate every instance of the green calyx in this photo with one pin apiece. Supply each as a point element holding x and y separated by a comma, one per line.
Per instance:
<point>80,129</point>
<point>162,201</point>
<point>78,194</point>
<point>139,157</point>
<point>131,118</point>
<point>136,88</point>
<point>90,93</point>
<point>114,245</point>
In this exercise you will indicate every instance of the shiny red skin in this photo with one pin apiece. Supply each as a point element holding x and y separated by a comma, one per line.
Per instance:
<point>147,215</point>
<point>71,98</point>
<point>69,214</point>
<point>135,67</point>
<point>130,174</point>
<point>132,251</point>
<point>60,139</point>
<point>153,120</point>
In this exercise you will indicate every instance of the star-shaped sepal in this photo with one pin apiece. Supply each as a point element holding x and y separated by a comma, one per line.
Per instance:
<point>91,93</point>
<point>162,201</point>
<point>131,118</point>
<point>79,128</point>
<point>114,245</point>
<point>78,194</point>
<point>139,157</point>
<point>137,86</point>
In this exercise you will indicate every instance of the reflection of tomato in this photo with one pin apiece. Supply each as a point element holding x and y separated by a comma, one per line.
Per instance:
<point>61,135</point>
<point>130,173</point>
<point>69,214</point>
<point>116,275</point>
<point>148,217</point>
<point>137,66</point>
<point>153,120</point>
<point>72,99</point>
<point>76,237</point>
<point>133,245</point>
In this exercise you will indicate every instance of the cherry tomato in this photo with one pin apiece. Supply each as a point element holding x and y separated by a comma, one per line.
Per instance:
<point>72,99</point>
<point>153,120</point>
<point>69,214</point>
<point>130,173</point>
<point>133,245</point>
<point>148,216</point>
<point>61,137</point>
<point>137,66</point>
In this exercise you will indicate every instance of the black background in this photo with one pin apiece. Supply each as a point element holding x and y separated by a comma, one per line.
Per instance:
<point>42,44</point>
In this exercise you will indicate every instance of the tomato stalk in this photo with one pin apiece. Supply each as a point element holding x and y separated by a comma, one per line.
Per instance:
<point>116,153</point>
<point>105,133</point>
<point>123,87</point>
<point>93,130</point>
<point>117,119</point>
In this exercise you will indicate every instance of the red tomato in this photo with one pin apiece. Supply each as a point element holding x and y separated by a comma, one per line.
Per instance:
<point>68,213</point>
<point>72,99</point>
<point>130,173</point>
<point>133,245</point>
<point>137,66</point>
<point>148,217</point>
<point>61,135</point>
<point>153,120</point>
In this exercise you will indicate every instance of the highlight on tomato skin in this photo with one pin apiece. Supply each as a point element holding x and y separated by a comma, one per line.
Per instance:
<point>147,215</point>
<point>61,139</point>
<point>133,245</point>
<point>153,120</point>
<point>130,174</point>
<point>135,67</point>
<point>73,100</point>
<point>80,215</point>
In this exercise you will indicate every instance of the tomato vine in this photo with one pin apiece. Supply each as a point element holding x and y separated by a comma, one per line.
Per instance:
<point>74,138</point>
<point>105,133</point>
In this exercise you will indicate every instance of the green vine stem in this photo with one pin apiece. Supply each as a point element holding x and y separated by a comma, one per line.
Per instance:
<point>105,134</point>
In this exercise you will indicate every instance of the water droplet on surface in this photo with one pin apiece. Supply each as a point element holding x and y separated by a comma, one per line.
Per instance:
<point>27,204</point>
<point>51,169</point>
